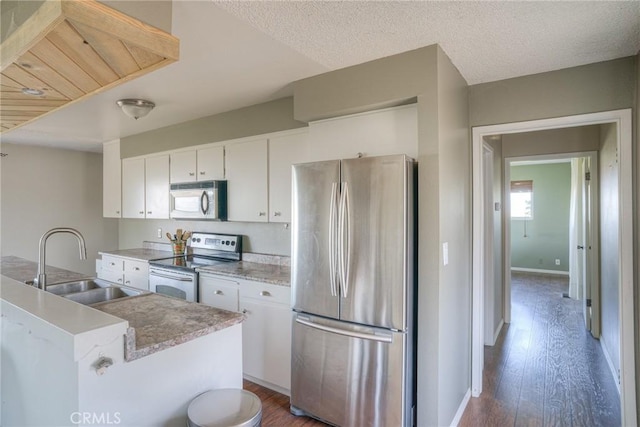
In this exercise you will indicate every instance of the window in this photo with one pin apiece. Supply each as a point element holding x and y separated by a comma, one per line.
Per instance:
<point>522,199</point>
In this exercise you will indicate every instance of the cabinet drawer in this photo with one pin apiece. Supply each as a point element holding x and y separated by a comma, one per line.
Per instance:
<point>137,280</point>
<point>219,293</point>
<point>112,263</point>
<point>111,276</point>
<point>265,292</point>
<point>136,267</point>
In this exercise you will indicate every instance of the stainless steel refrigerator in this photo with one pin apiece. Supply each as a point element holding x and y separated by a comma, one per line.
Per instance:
<point>353,286</point>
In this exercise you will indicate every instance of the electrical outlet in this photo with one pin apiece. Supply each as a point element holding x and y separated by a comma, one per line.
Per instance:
<point>557,261</point>
<point>159,233</point>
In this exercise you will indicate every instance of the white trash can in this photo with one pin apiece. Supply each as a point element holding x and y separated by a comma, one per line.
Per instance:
<point>227,407</point>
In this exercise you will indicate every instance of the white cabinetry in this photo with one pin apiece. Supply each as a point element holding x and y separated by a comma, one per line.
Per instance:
<point>284,151</point>
<point>218,292</point>
<point>246,172</point>
<point>125,271</point>
<point>266,331</point>
<point>198,165</point>
<point>157,187</point>
<point>111,180</point>
<point>133,188</point>
<point>145,187</point>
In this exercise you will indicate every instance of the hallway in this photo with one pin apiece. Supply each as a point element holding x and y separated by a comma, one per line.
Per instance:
<point>545,368</point>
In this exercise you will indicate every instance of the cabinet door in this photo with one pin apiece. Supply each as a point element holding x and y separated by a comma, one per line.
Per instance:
<point>183,166</point>
<point>157,187</point>
<point>246,170</point>
<point>111,180</point>
<point>211,163</point>
<point>219,293</point>
<point>140,281</point>
<point>266,342</point>
<point>284,151</point>
<point>133,188</point>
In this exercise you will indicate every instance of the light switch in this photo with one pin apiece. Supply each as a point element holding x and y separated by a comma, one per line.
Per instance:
<point>445,253</point>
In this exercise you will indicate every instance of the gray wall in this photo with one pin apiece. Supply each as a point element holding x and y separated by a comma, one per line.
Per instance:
<point>44,188</point>
<point>553,141</point>
<point>254,120</point>
<point>586,89</point>
<point>444,325</point>
<point>272,239</point>
<point>548,231</point>
<point>609,251</point>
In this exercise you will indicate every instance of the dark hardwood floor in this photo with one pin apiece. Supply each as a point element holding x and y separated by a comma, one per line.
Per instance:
<point>545,368</point>
<point>275,409</point>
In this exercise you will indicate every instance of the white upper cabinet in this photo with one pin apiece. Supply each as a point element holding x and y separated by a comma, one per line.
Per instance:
<point>145,187</point>
<point>205,164</point>
<point>157,187</point>
<point>246,173</point>
<point>183,166</point>
<point>111,180</point>
<point>133,188</point>
<point>284,151</point>
<point>210,163</point>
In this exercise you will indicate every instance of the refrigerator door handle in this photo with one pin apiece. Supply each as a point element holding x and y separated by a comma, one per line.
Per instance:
<point>332,240</point>
<point>344,239</point>
<point>381,338</point>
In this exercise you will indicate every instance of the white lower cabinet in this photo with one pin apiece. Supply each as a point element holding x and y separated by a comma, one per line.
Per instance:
<point>266,331</point>
<point>125,271</point>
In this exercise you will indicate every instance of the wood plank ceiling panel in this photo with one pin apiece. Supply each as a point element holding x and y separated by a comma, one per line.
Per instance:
<point>70,50</point>
<point>75,47</point>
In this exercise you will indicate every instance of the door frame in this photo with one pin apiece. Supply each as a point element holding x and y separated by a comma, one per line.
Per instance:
<point>592,255</point>
<point>623,122</point>
<point>489,273</point>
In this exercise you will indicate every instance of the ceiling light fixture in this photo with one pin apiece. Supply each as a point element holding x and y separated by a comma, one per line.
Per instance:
<point>135,108</point>
<point>32,92</point>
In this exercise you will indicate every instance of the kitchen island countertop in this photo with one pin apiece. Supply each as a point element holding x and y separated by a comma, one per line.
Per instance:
<point>24,270</point>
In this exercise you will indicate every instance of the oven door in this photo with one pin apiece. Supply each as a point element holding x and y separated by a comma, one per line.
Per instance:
<point>173,283</point>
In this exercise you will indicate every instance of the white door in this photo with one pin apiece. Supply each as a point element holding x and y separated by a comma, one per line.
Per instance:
<point>157,187</point>
<point>111,180</point>
<point>210,163</point>
<point>133,188</point>
<point>246,171</point>
<point>284,151</point>
<point>183,166</point>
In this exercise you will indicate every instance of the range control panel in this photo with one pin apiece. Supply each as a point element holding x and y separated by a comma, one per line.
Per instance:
<point>217,242</point>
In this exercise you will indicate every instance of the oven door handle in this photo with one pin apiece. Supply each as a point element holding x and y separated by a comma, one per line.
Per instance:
<point>164,276</point>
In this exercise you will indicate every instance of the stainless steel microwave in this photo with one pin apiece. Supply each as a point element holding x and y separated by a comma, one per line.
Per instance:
<point>199,200</point>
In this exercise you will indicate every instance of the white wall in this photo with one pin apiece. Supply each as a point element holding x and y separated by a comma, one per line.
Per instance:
<point>609,249</point>
<point>42,188</point>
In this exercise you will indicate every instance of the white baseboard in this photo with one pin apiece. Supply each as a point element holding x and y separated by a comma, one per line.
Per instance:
<point>607,356</point>
<point>497,332</point>
<point>268,385</point>
<point>538,270</point>
<point>461,408</point>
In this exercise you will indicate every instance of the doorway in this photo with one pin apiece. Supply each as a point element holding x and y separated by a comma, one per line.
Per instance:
<point>621,122</point>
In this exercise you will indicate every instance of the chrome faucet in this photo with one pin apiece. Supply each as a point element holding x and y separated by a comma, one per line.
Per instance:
<point>41,280</point>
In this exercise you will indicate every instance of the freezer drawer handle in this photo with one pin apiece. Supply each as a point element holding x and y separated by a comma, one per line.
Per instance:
<point>385,339</point>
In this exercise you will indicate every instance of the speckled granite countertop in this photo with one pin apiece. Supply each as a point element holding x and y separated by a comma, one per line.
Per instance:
<point>24,270</point>
<point>157,322</point>
<point>139,254</point>
<point>267,273</point>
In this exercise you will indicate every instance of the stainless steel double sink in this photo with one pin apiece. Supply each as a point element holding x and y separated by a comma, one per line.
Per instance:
<point>92,291</point>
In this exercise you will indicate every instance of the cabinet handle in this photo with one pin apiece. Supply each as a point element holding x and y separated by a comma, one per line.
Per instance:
<point>244,311</point>
<point>112,263</point>
<point>149,212</point>
<point>120,280</point>
<point>262,214</point>
<point>128,282</point>
<point>141,212</point>
<point>277,214</point>
<point>265,294</point>
<point>191,174</point>
<point>136,268</point>
<point>218,292</point>
<point>202,173</point>
<point>118,212</point>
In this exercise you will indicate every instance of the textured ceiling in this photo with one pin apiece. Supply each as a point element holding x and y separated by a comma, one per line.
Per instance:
<point>239,53</point>
<point>487,41</point>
